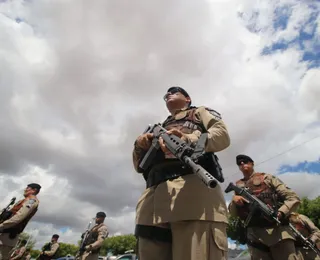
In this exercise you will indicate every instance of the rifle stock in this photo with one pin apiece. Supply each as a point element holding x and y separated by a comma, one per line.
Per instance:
<point>5,213</point>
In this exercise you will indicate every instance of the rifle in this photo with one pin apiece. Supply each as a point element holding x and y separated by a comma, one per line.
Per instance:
<point>305,240</point>
<point>83,241</point>
<point>256,204</point>
<point>5,213</point>
<point>193,156</point>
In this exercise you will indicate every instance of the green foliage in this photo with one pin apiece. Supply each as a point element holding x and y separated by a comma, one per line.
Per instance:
<point>35,253</point>
<point>66,249</point>
<point>232,229</point>
<point>26,236</point>
<point>118,244</point>
<point>311,209</point>
<point>235,230</point>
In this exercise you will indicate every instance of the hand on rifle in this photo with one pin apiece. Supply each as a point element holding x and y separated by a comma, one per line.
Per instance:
<point>280,215</point>
<point>239,200</point>
<point>314,241</point>
<point>144,141</point>
<point>88,248</point>
<point>173,131</point>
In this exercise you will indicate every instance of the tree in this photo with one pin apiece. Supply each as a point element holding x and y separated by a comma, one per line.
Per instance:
<point>311,209</point>
<point>235,230</point>
<point>35,253</point>
<point>118,244</point>
<point>26,236</point>
<point>66,249</point>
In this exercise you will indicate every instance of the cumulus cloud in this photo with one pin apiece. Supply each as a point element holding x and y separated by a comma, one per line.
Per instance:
<point>81,79</point>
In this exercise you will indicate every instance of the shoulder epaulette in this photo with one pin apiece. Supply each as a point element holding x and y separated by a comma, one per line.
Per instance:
<point>213,112</point>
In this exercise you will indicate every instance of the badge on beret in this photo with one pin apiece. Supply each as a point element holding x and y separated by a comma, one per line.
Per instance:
<point>216,115</point>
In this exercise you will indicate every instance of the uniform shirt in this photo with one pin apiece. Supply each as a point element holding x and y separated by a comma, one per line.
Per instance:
<point>311,229</point>
<point>290,199</point>
<point>29,205</point>
<point>19,253</point>
<point>186,197</point>
<point>272,235</point>
<point>28,257</point>
<point>53,249</point>
<point>102,235</point>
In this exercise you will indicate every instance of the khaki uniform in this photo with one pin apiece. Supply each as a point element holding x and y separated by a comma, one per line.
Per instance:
<point>50,250</point>
<point>28,256</point>
<point>267,240</point>
<point>308,229</point>
<point>195,214</point>
<point>101,232</point>
<point>23,211</point>
<point>18,253</point>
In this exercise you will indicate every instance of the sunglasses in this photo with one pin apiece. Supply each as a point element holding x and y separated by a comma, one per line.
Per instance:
<point>243,161</point>
<point>171,92</point>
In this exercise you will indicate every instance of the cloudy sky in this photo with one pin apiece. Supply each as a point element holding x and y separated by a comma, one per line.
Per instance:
<point>80,80</point>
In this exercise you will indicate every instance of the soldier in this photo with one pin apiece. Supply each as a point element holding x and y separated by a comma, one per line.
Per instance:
<point>28,254</point>
<point>265,239</point>
<point>308,229</point>
<point>50,249</point>
<point>19,252</point>
<point>95,238</point>
<point>177,216</point>
<point>20,215</point>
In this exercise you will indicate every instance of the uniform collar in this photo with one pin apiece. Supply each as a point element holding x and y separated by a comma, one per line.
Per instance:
<point>179,110</point>
<point>243,179</point>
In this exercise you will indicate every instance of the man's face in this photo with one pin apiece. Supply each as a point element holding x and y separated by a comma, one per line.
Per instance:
<point>245,166</point>
<point>54,239</point>
<point>175,98</point>
<point>29,191</point>
<point>99,220</point>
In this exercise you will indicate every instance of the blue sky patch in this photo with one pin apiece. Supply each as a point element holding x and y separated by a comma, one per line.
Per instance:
<point>64,229</point>
<point>282,15</point>
<point>306,39</point>
<point>310,167</point>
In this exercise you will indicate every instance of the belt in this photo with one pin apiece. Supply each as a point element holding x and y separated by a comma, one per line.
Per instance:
<point>262,222</point>
<point>154,233</point>
<point>258,245</point>
<point>168,170</point>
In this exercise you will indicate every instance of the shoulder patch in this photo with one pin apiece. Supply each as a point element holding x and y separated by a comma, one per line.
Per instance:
<point>30,202</point>
<point>103,232</point>
<point>213,112</point>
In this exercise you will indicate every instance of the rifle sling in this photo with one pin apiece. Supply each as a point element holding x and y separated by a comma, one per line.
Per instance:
<point>169,170</point>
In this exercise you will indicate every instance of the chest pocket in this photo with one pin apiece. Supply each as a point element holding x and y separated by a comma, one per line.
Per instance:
<point>186,121</point>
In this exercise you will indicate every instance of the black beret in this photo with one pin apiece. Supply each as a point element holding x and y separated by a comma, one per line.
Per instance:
<point>243,157</point>
<point>34,186</point>
<point>181,90</point>
<point>101,215</point>
<point>55,236</point>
